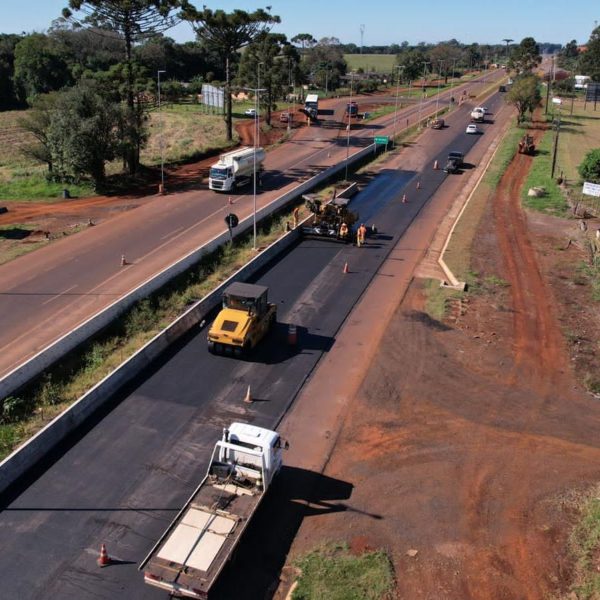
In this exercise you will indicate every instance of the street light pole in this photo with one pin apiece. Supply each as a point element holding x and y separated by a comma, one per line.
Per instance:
<point>422,92</point>
<point>290,112</point>
<point>256,142</point>
<point>162,155</point>
<point>348,110</point>
<point>437,100</point>
<point>396,107</point>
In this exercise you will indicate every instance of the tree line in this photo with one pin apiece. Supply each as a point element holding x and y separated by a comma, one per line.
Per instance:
<point>91,78</point>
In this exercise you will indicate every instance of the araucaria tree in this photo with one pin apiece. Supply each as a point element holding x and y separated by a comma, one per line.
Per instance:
<point>526,56</point>
<point>277,60</point>
<point>134,21</point>
<point>227,33</point>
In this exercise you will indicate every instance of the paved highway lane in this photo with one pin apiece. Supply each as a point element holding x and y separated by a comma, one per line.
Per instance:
<point>124,480</point>
<point>46,293</point>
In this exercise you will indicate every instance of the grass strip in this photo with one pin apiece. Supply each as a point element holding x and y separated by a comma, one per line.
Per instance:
<point>553,201</point>
<point>584,545</point>
<point>333,573</point>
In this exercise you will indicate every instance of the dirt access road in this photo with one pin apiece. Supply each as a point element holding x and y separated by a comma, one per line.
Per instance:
<point>468,438</point>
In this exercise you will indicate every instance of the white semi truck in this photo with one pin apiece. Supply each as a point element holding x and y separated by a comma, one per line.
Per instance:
<point>311,105</point>
<point>236,168</point>
<point>189,556</point>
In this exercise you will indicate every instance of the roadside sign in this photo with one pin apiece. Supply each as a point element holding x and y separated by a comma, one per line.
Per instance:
<point>231,220</point>
<point>382,139</point>
<point>591,189</point>
<point>556,100</point>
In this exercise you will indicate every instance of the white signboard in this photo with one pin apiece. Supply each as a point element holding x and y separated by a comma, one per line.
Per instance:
<point>591,189</point>
<point>213,96</point>
<point>556,100</point>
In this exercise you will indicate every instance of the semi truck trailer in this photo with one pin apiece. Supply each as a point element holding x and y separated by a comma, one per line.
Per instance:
<point>236,168</point>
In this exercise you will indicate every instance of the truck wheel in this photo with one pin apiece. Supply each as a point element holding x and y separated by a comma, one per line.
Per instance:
<point>272,321</point>
<point>211,347</point>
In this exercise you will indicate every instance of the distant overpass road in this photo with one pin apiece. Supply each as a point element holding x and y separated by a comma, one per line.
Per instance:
<point>122,480</point>
<point>49,292</point>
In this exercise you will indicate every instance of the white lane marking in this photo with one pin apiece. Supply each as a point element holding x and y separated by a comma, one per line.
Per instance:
<point>59,295</point>
<point>164,237</point>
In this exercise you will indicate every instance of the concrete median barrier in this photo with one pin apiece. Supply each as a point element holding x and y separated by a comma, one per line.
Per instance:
<point>28,455</point>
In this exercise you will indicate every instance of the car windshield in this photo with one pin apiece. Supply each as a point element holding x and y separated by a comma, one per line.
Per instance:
<point>218,173</point>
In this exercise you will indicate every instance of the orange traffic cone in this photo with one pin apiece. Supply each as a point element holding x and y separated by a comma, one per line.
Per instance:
<point>103,559</point>
<point>346,270</point>
<point>435,165</point>
<point>418,185</point>
<point>248,396</point>
<point>403,198</point>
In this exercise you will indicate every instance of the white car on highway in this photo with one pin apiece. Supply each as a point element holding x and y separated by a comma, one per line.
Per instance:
<point>472,128</point>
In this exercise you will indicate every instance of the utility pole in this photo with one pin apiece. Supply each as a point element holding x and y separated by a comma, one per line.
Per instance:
<point>348,127</point>
<point>554,151</point>
<point>422,93</point>
<point>162,152</point>
<point>396,107</point>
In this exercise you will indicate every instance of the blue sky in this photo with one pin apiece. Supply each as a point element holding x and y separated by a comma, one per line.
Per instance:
<point>385,21</point>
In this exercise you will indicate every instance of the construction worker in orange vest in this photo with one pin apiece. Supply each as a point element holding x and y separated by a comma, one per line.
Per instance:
<point>361,233</point>
<point>343,230</point>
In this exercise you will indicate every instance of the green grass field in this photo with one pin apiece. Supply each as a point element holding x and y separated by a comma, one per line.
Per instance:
<point>186,132</point>
<point>333,573</point>
<point>382,63</point>
<point>579,133</point>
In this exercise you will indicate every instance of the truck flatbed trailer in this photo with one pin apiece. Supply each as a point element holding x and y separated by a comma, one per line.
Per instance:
<point>198,548</point>
<point>188,558</point>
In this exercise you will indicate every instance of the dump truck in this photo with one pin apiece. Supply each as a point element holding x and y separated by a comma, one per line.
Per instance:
<point>327,219</point>
<point>245,318</point>
<point>236,168</point>
<point>188,558</point>
<point>526,145</point>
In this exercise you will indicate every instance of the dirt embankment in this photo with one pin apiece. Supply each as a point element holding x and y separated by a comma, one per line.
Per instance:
<point>469,435</point>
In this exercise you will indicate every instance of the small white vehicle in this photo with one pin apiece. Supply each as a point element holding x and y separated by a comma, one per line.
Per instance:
<point>472,128</point>
<point>250,112</point>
